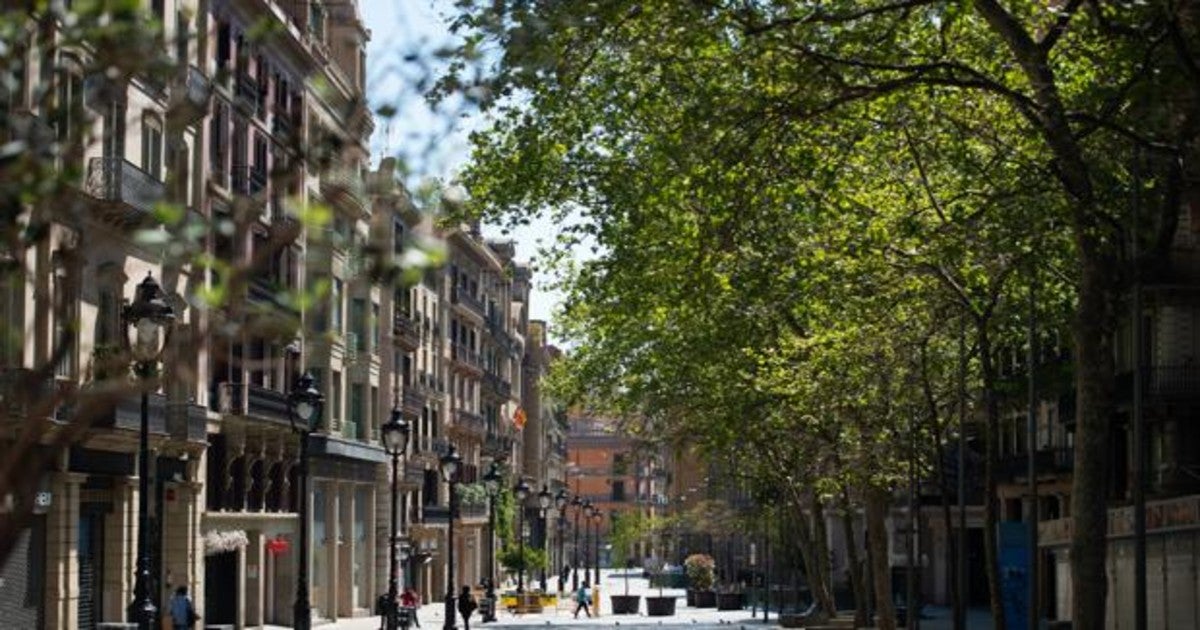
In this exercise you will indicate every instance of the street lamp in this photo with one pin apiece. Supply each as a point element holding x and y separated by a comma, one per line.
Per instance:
<point>578,505</point>
<point>588,510</point>
<point>150,318</point>
<point>522,491</point>
<point>491,481</point>
<point>544,501</point>
<point>560,502</point>
<point>597,518</point>
<point>451,464</point>
<point>304,410</point>
<point>394,434</point>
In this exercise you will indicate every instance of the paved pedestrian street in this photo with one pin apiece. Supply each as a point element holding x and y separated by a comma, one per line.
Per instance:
<point>432,617</point>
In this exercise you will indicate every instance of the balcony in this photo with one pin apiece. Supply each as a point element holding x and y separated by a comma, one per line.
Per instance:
<point>343,187</point>
<point>248,180</point>
<point>435,514</point>
<point>497,386</point>
<point>247,95</point>
<point>466,359</point>
<point>414,473</point>
<point>441,446</point>
<point>495,328</point>
<point>468,302</point>
<point>191,93</point>
<point>1162,384</point>
<point>405,332</point>
<point>414,402</point>
<point>131,191</point>
<point>498,446</point>
<point>469,422</point>
<point>244,399</point>
<point>1048,461</point>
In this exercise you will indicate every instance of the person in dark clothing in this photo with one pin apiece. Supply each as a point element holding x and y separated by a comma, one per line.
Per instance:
<point>466,606</point>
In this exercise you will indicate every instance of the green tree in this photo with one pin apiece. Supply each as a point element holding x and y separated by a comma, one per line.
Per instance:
<point>699,147</point>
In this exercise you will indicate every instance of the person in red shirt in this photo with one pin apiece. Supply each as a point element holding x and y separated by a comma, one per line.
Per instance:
<point>410,600</point>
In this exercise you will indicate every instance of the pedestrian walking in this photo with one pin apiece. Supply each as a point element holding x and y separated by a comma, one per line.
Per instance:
<point>410,600</point>
<point>183,611</point>
<point>583,600</point>
<point>466,606</point>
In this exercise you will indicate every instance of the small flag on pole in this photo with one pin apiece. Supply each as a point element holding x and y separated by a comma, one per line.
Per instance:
<point>519,419</point>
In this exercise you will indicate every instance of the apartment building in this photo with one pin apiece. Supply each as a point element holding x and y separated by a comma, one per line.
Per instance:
<point>609,469</point>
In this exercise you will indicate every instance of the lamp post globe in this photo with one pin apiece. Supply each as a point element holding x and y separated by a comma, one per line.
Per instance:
<point>149,319</point>
<point>394,435</point>
<point>491,481</point>
<point>450,465</point>
<point>304,411</point>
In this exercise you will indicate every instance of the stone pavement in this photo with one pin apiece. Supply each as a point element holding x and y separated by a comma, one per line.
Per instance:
<point>432,615</point>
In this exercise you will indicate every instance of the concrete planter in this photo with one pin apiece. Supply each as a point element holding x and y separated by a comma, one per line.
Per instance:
<point>625,604</point>
<point>704,599</point>
<point>731,601</point>
<point>660,606</point>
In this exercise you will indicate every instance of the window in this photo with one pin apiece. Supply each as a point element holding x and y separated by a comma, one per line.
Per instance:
<point>152,144</point>
<point>69,109</point>
<point>64,325</point>
<point>316,20</point>
<point>219,144</point>
<point>12,316</point>
<point>358,321</point>
<point>335,406</point>
<point>182,36</point>
<point>224,46</point>
<point>374,325</point>
<point>618,491</point>
<point>335,308</point>
<point>357,411</point>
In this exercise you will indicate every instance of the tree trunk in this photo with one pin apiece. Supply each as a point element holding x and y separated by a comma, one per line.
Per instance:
<point>948,523</point>
<point>1096,247</point>
<point>1094,369</point>
<point>877,548</point>
<point>857,583</point>
<point>824,596</point>
<point>809,555</point>
<point>991,564</point>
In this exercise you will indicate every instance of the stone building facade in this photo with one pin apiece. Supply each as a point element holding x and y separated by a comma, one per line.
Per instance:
<point>246,132</point>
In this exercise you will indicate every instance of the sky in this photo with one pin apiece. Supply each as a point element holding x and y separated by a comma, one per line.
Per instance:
<point>401,59</point>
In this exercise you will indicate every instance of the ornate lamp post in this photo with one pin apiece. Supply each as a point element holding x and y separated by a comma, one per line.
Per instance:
<point>560,502</point>
<point>544,501</point>
<point>492,480</point>
<point>451,464</point>
<point>522,492</point>
<point>588,510</point>
<point>578,505</point>
<point>304,411</point>
<point>394,435</point>
<point>150,318</point>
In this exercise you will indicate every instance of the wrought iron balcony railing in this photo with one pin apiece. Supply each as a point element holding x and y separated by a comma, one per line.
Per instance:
<point>117,180</point>
<point>464,356</point>
<point>405,331</point>
<point>459,295</point>
<point>469,421</point>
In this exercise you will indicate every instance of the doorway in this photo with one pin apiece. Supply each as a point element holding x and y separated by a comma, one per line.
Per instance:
<point>221,588</point>
<point>91,564</point>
